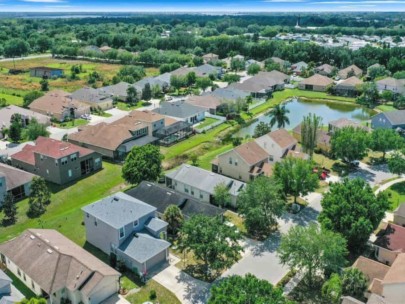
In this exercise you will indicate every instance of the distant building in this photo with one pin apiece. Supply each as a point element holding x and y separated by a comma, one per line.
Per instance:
<point>316,82</point>
<point>299,67</point>
<point>341,123</point>
<point>349,87</point>
<point>45,72</point>
<point>181,110</point>
<point>350,71</point>
<point>57,161</point>
<point>8,293</point>
<point>389,120</point>
<point>325,70</point>
<point>93,97</point>
<point>396,86</point>
<point>210,57</point>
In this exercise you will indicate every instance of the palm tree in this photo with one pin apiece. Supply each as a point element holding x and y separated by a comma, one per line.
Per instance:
<point>279,115</point>
<point>174,217</point>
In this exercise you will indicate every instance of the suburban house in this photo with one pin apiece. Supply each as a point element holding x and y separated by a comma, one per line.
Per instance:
<point>160,82</point>
<point>284,64</point>
<point>92,49</point>
<point>200,183</point>
<point>59,105</point>
<point>57,161</point>
<point>54,267</point>
<point>350,71</point>
<point>117,91</point>
<point>325,70</point>
<point>249,62</point>
<point>105,49</point>
<point>161,197</point>
<point>389,243</point>
<point>316,82</point>
<point>210,57</point>
<point>14,181</point>
<point>95,98</point>
<point>182,110</point>
<point>323,138</point>
<point>211,103</point>
<point>116,139</point>
<point>128,230</point>
<point>341,123</point>
<point>8,294</point>
<point>348,87</point>
<point>26,115</point>
<point>277,144</point>
<point>385,282</point>
<point>174,132</point>
<point>228,94</point>
<point>206,70</point>
<point>262,84</point>
<point>45,72</point>
<point>389,120</point>
<point>299,67</point>
<point>244,162</point>
<point>396,86</point>
<point>399,215</point>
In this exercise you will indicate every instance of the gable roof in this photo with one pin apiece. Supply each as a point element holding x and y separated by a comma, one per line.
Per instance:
<point>146,116</point>
<point>119,89</point>
<point>317,80</point>
<point>343,72</point>
<point>15,177</point>
<point>327,68</point>
<point>344,122</point>
<point>251,152</point>
<point>281,137</point>
<point>205,101</point>
<point>179,109</point>
<point>228,93</point>
<point>396,273</point>
<point>49,147</point>
<point>91,95</point>
<point>371,269</point>
<point>118,209</point>
<point>7,112</point>
<point>350,82</point>
<point>396,117</point>
<point>204,179</point>
<point>161,197</point>
<point>391,238</point>
<point>54,262</point>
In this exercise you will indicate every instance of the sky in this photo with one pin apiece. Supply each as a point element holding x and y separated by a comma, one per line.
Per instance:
<point>225,6</point>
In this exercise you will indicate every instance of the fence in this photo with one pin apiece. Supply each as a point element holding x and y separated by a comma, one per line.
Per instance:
<point>220,120</point>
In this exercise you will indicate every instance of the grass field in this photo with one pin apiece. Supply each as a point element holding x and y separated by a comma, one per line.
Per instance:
<point>71,124</point>
<point>11,99</point>
<point>207,121</point>
<point>64,213</point>
<point>126,107</point>
<point>164,296</point>
<point>396,195</point>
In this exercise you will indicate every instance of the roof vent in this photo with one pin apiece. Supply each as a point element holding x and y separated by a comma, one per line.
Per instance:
<point>149,185</point>
<point>168,193</point>
<point>32,237</point>
<point>56,247</point>
<point>46,240</point>
<point>116,199</point>
<point>49,251</point>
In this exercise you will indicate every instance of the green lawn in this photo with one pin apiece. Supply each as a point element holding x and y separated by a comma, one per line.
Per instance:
<point>71,124</point>
<point>164,296</point>
<point>126,107</point>
<point>396,195</point>
<point>207,121</point>
<point>20,285</point>
<point>204,161</point>
<point>386,107</point>
<point>64,213</point>
<point>12,99</point>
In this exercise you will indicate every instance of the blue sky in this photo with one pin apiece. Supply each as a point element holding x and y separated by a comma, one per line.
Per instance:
<point>200,5</point>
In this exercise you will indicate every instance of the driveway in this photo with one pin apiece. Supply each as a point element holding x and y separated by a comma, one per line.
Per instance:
<point>187,289</point>
<point>260,258</point>
<point>374,175</point>
<point>115,115</point>
<point>58,133</point>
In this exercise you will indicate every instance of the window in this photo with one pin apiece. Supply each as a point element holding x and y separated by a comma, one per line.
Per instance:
<point>236,162</point>
<point>70,173</point>
<point>122,232</point>
<point>136,223</point>
<point>95,222</point>
<point>56,162</point>
<point>19,271</point>
<point>271,158</point>
<point>47,171</point>
<point>64,161</point>
<point>230,160</point>
<point>42,157</point>
<point>87,215</point>
<point>201,195</point>
<point>25,279</point>
<point>97,160</point>
<point>185,189</point>
<point>192,192</point>
<point>73,157</point>
<point>32,284</point>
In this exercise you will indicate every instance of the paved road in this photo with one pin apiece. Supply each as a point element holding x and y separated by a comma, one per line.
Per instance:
<point>260,258</point>
<point>27,57</point>
<point>374,175</point>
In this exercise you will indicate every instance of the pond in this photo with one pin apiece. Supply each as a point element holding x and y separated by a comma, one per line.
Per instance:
<point>327,110</point>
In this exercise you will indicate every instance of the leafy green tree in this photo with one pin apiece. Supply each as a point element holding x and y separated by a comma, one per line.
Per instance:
<point>204,83</point>
<point>376,72</point>
<point>147,92</point>
<point>261,129</point>
<point>383,140</point>
<point>136,72</point>
<point>174,217</point>
<point>3,103</point>
<point>260,203</point>
<point>34,301</point>
<point>352,209</point>
<point>354,283</point>
<point>142,163</point>
<point>191,78</point>
<point>236,141</point>
<point>177,82</point>
<point>396,163</point>
<point>16,48</point>
<point>44,85</point>
<point>253,69</point>
<point>14,132</point>
<point>312,250</point>
<point>231,78</point>
<point>34,130</point>
<point>237,64</point>
<point>369,96</point>
<point>132,95</point>
<point>350,143</point>
<point>211,241</point>
<point>309,133</point>
<point>30,97</point>
<point>387,95</point>
<point>246,290</point>
<point>40,197</point>
<point>279,116</point>
<point>296,176</point>
<point>222,197</point>
<point>332,289</point>
<point>9,210</point>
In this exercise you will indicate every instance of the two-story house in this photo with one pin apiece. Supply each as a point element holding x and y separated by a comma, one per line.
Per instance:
<point>390,243</point>
<point>54,267</point>
<point>57,161</point>
<point>277,144</point>
<point>389,120</point>
<point>128,230</point>
<point>201,184</point>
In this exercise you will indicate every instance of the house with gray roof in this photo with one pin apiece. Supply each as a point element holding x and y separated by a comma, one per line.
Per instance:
<point>228,93</point>
<point>162,197</point>
<point>396,86</point>
<point>128,230</point>
<point>8,293</point>
<point>389,120</point>
<point>299,67</point>
<point>117,91</point>
<point>181,110</point>
<point>206,70</point>
<point>94,97</point>
<point>200,183</point>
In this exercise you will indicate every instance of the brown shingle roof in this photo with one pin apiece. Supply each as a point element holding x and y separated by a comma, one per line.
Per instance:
<point>55,262</point>
<point>251,152</point>
<point>317,80</point>
<point>282,138</point>
<point>343,72</point>
<point>146,116</point>
<point>391,238</point>
<point>327,68</point>
<point>49,147</point>
<point>205,101</point>
<point>350,82</point>
<point>371,269</point>
<point>396,274</point>
<point>14,177</point>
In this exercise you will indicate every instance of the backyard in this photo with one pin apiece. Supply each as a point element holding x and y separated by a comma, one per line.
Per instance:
<point>396,195</point>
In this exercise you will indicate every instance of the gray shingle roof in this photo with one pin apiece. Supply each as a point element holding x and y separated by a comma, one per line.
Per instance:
<point>179,109</point>
<point>156,224</point>
<point>396,117</point>
<point>118,209</point>
<point>142,247</point>
<point>119,89</point>
<point>7,112</point>
<point>91,95</point>
<point>228,93</point>
<point>15,177</point>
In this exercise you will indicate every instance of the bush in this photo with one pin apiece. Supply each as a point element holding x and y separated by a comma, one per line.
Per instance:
<point>152,295</point>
